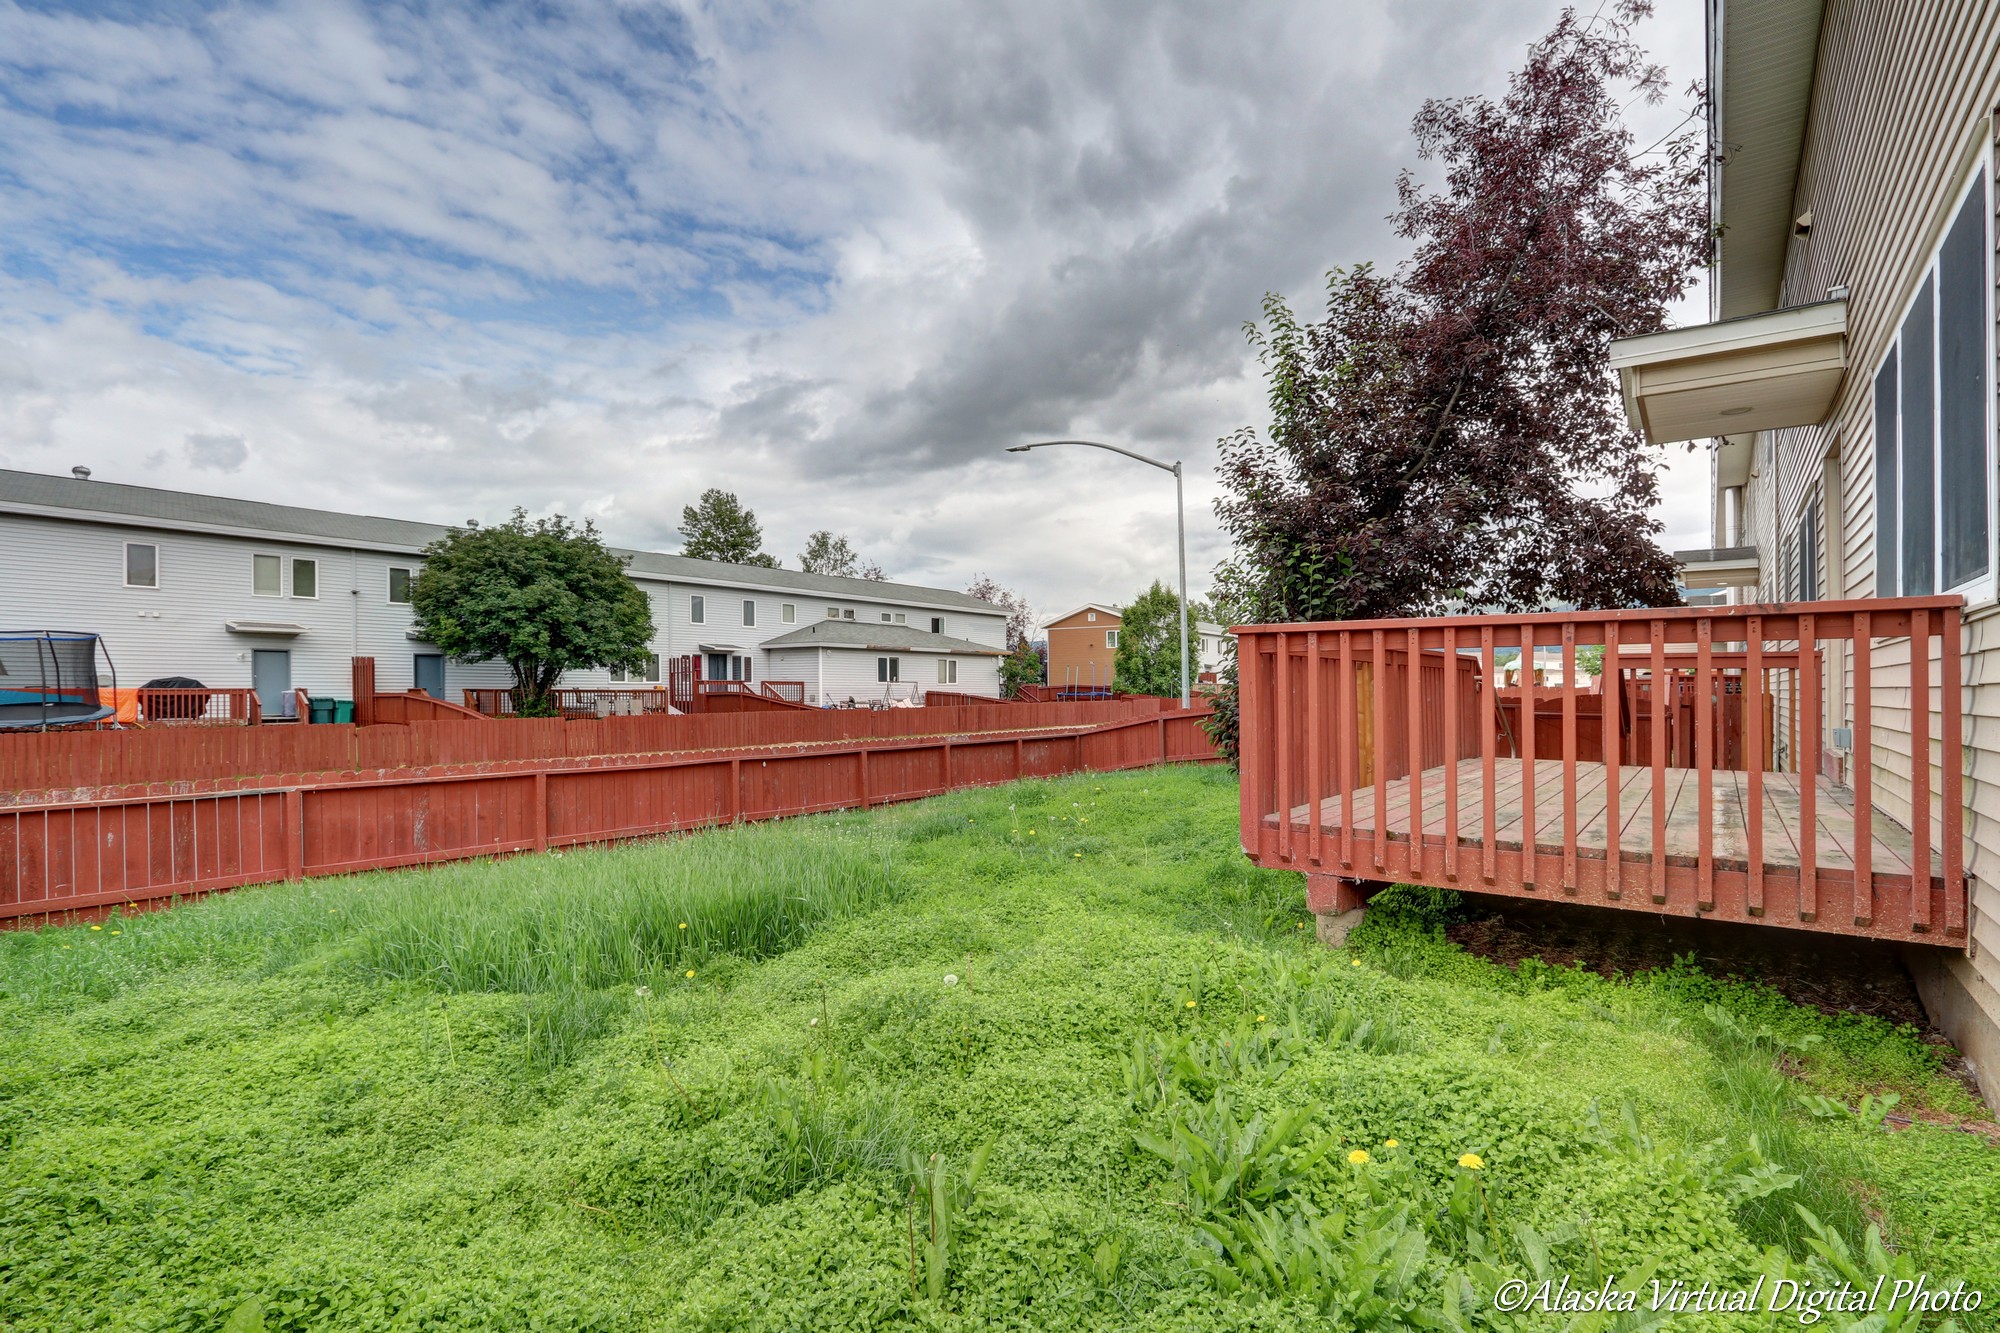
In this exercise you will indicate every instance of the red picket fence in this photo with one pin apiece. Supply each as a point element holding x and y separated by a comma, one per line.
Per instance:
<point>958,699</point>
<point>59,855</point>
<point>54,761</point>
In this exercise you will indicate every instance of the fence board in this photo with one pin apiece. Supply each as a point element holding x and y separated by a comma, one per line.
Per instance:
<point>435,792</point>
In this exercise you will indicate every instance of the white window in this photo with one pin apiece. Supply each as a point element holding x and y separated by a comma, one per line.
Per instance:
<point>937,624</point>
<point>885,617</point>
<point>847,614</point>
<point>305,578</point>
<point>833,613</point>
<point>888,668</point>
<point>749,612</point>
<point>649,673</point>
<point>267,574</point>
<point>399,585</point>
<point>698,609</point>
<point>947,671</point>
<point>1091,616</point>
<point>142,565</point>
<point>1111,638</point>
<point>788,613</point>
<point>1933,422</point>
<point>902,618</point>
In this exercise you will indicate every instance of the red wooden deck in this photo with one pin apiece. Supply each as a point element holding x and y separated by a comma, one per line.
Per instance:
<point>1363,846</point>
<point>1698,755</point>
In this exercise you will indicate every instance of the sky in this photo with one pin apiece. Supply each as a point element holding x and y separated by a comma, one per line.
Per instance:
<point>437,261</point>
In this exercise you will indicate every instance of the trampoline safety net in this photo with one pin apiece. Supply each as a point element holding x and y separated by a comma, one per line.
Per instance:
<point>48,678</point>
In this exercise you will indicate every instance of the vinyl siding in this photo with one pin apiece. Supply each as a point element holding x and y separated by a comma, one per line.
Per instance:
<point>69,575</point>
<point>65,573</point>
<point>1901,113</point>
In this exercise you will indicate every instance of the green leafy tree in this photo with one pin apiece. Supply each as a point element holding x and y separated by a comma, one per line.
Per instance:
<point>1020,616</point>
<point>1147,660</point>
<point>544,597</point>
<point>831,553</point>
<point>719,527</point>
<point>1025,665</point>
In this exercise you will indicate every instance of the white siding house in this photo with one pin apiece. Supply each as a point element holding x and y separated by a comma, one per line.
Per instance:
<point>1848,386</point>
<point>238,593</point>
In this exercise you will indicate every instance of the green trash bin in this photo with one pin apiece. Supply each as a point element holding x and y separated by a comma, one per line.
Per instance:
<point>343,710</point>
<point>320,709</point>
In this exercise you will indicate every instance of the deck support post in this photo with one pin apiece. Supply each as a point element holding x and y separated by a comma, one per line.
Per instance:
<point>1338,903</point>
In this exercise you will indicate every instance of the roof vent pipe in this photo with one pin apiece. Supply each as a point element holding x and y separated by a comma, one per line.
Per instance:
<point>80,472</point>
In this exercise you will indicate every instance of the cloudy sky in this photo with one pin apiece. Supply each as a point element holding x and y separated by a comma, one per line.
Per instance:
<point>593,257</point>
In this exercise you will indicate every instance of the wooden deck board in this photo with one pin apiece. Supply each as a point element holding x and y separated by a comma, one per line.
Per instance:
<point>1729,800</point>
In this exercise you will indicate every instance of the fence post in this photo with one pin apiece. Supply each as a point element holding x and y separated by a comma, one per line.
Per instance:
<point>541,825</point>
<point>295,833</point>
<point>362,681</point>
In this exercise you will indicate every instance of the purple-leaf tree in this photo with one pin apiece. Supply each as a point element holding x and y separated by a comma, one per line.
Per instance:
<point>1450,436</point>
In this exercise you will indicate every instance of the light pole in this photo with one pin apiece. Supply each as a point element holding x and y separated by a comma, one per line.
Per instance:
<point>1180,530</point>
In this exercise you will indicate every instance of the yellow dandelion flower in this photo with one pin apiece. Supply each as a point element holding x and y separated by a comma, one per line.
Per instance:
<point>117,932</point>
<point>690,974</point>
<point>684,925</point>
<point>1190,1004</point>
<point>97,928</point>
<point>1358,1156</point>
<point>1357,962</point>
<point>1471,1161</point>
<point>1260,1018</point>
<point>1388,1143</point>
<point>1031,833</point>
<point>1076,856</point>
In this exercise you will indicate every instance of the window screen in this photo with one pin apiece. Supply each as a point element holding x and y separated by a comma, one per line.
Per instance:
<point>305,578</point>
<point>1918,451</point>
<point>1808,584</point>
<point>749,612</point>
<point>399,585</point>
<point>266,573</point>
<point>142,565</point>
<point>1887,546</point>
<point>1961,351</point>
<point>697,610</point>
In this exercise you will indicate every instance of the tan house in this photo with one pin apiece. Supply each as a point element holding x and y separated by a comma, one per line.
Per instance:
<point>1848,388</point>
<point>1083,647</point>
<point>1819,751</point>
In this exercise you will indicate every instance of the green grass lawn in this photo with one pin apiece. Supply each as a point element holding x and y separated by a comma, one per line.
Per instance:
<point>1046,1056</point>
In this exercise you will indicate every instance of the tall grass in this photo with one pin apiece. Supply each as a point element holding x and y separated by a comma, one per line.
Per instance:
<point>574,920</point>
<point>585,921</point>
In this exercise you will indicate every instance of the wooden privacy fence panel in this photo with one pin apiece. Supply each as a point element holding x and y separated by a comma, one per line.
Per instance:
<point>59,855</point>
<point>62,761</point>
<point>1611,798</point>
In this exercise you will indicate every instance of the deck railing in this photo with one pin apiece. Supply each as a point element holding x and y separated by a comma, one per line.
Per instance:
<point>577,703</point>
<point>220,706</point>
<point>1698,782</point>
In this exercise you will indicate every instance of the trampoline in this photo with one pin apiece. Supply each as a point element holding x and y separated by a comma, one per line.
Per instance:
<point>48,678</point>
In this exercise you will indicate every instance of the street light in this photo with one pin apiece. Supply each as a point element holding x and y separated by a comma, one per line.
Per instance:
<point>1180,524</point>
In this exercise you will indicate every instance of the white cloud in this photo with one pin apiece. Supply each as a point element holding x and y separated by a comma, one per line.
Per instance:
<point>596,258</point>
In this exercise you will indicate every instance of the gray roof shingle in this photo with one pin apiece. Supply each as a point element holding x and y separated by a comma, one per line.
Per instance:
<point>43,491</point>
<point>874,635</point>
